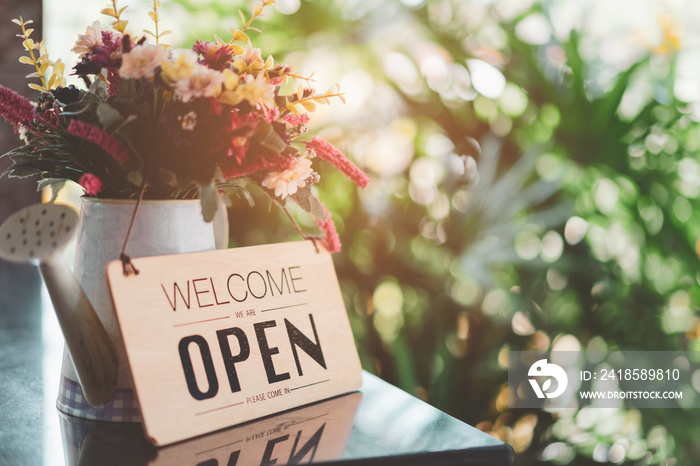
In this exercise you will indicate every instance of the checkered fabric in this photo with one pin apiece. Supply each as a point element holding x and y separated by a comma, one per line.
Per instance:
<point>122,407</point>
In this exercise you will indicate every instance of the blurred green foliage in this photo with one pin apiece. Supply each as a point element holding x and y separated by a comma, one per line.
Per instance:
<point>527,193</point>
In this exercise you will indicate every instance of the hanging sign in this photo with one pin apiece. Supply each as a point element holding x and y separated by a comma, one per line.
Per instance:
<point>217,338</point>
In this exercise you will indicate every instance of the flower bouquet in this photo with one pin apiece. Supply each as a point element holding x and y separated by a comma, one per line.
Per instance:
<point>154,122</point>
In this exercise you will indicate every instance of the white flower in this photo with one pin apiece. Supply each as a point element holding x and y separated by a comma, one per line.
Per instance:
<point>22,133</point>
<point>142,61</point>
<point>204,82</point>
<point>87,42</point>
<point>188,122</point>
<point>287,182</point>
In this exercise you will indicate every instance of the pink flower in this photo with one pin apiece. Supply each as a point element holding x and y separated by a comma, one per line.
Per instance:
<point>142,61</point>
<point>90,183</point>
<point>109,54</point>
<point>330,154</point>
<point>287,182</point>
<point>100,138</point>
<point>87,42</point>
<point>330,236</point>
<point>15,108</point>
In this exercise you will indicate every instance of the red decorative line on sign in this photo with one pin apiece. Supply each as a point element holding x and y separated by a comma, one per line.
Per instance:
<point>201,321</point>
<point>218,409</point>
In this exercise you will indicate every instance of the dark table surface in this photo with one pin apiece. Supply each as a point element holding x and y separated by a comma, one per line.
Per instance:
<point>380,424</point>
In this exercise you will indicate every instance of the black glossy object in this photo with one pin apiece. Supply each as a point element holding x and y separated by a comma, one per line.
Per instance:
<point>378,425</point>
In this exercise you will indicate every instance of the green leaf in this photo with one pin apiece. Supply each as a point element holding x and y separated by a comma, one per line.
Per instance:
<point>22,150</point>
<point>308,201</point>
<point>235,187</point>
<point>17,171</point>
<point>127,88</point>
<point>78,111</point>
<point>209,197</point>
<point>135,177</point>
<point>109,116</point>
<point>99,88</point>
<point>608,105</point>
<point>266,137</point>
<point>89,98</point>
<point>55,184</point>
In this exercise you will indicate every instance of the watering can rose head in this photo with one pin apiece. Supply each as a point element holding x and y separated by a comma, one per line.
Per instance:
<point>164,123</point>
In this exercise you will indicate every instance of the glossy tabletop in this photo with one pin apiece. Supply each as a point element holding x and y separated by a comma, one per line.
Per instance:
<point>379,424</point>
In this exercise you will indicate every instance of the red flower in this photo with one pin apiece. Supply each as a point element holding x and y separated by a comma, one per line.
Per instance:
<point>15,108</point>
<point>215,56</point>
<point>100,138</point>
<point>277,162</point>
<point>91,184</point>
<point>330,236</point>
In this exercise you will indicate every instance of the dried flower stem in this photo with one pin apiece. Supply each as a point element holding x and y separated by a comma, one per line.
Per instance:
<point>118,24</point>
<point>29,45</point>
<point>155,17</point>
<point>298,228</point>
<point>258,12</point>
<point>127,266</point>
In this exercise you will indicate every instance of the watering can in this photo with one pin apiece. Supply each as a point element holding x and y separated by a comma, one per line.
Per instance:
<point>38,234</point>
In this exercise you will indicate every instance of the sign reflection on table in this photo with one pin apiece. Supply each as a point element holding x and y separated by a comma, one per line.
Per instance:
<point>315,433</point>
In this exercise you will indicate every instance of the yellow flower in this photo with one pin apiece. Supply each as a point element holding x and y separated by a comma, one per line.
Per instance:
<point>256,90</point>
<point>250,62</point>
<point>231,79</point>
<point>180,66</point>
<point>671,40</point>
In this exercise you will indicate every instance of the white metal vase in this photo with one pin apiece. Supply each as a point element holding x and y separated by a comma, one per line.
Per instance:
<point>160,227</point>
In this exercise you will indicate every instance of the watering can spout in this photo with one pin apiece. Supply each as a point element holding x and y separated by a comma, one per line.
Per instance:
<point>38,234</point>
<point>91,349</point>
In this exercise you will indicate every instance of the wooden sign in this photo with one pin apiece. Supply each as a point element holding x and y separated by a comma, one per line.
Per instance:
<point>222,337</point>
